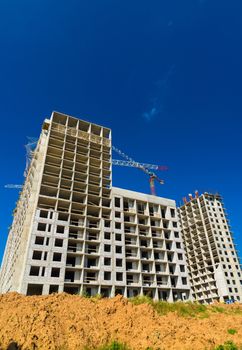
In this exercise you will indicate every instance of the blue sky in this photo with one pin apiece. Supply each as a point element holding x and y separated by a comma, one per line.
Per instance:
<point>164,75</point>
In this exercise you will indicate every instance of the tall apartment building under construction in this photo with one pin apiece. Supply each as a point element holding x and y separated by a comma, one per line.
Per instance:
<point>213,264</point>
<point>72,231</point>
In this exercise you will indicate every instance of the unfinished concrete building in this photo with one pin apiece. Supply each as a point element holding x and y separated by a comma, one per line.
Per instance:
<point>147,236</point>
<point>73,232</point>
<point>213,264</point>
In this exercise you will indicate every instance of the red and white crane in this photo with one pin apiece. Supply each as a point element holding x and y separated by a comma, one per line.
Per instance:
<point>142,166</point>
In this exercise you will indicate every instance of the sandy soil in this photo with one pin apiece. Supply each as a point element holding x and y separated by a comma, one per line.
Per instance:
<point>69,322</point>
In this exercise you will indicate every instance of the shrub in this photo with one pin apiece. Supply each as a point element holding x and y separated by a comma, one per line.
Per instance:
<point>114,346</point>
<point>84,295</point>
<point>232,331</point>
<point>228,345</point>
<point>216,308</point>
<point>141,300</point>
<point>185,309</point>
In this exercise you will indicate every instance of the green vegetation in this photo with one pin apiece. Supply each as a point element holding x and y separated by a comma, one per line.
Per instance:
<point>228,345</point>
<point>84,295</point>
<point>185,309</point>
<point>93,297</point>
<point>216,308</point>
<point>232,331</point>
<point>112,346</point>
<point>141,300</point>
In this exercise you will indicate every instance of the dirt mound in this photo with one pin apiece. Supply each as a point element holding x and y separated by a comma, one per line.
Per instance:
<point>69,322</point>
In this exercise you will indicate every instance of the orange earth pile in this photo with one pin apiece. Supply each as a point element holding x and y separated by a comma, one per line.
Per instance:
<point>69,322</point>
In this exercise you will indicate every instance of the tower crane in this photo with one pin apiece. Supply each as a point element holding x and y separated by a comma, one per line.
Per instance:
<point>128,162</point>
<point>142,166</point>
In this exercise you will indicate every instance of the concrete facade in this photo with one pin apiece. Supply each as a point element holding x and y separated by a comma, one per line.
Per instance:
<point>212,259</point>
<point>73,232</point>
<point>153,253</point>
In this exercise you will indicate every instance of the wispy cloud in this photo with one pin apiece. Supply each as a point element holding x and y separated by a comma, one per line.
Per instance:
<point>150,114</point>
<point>157,101</point>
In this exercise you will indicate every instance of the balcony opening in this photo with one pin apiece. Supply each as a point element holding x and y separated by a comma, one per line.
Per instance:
<point>69,276</point>
<point>34,270</point>
<point>37,255</point>
<point>119,291</point>
<point>72,290</point>
<point>54,288</point>
<point>34,289</point>
<point>57,256</point>
<point>106,292</point>
<point>55,272</point>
